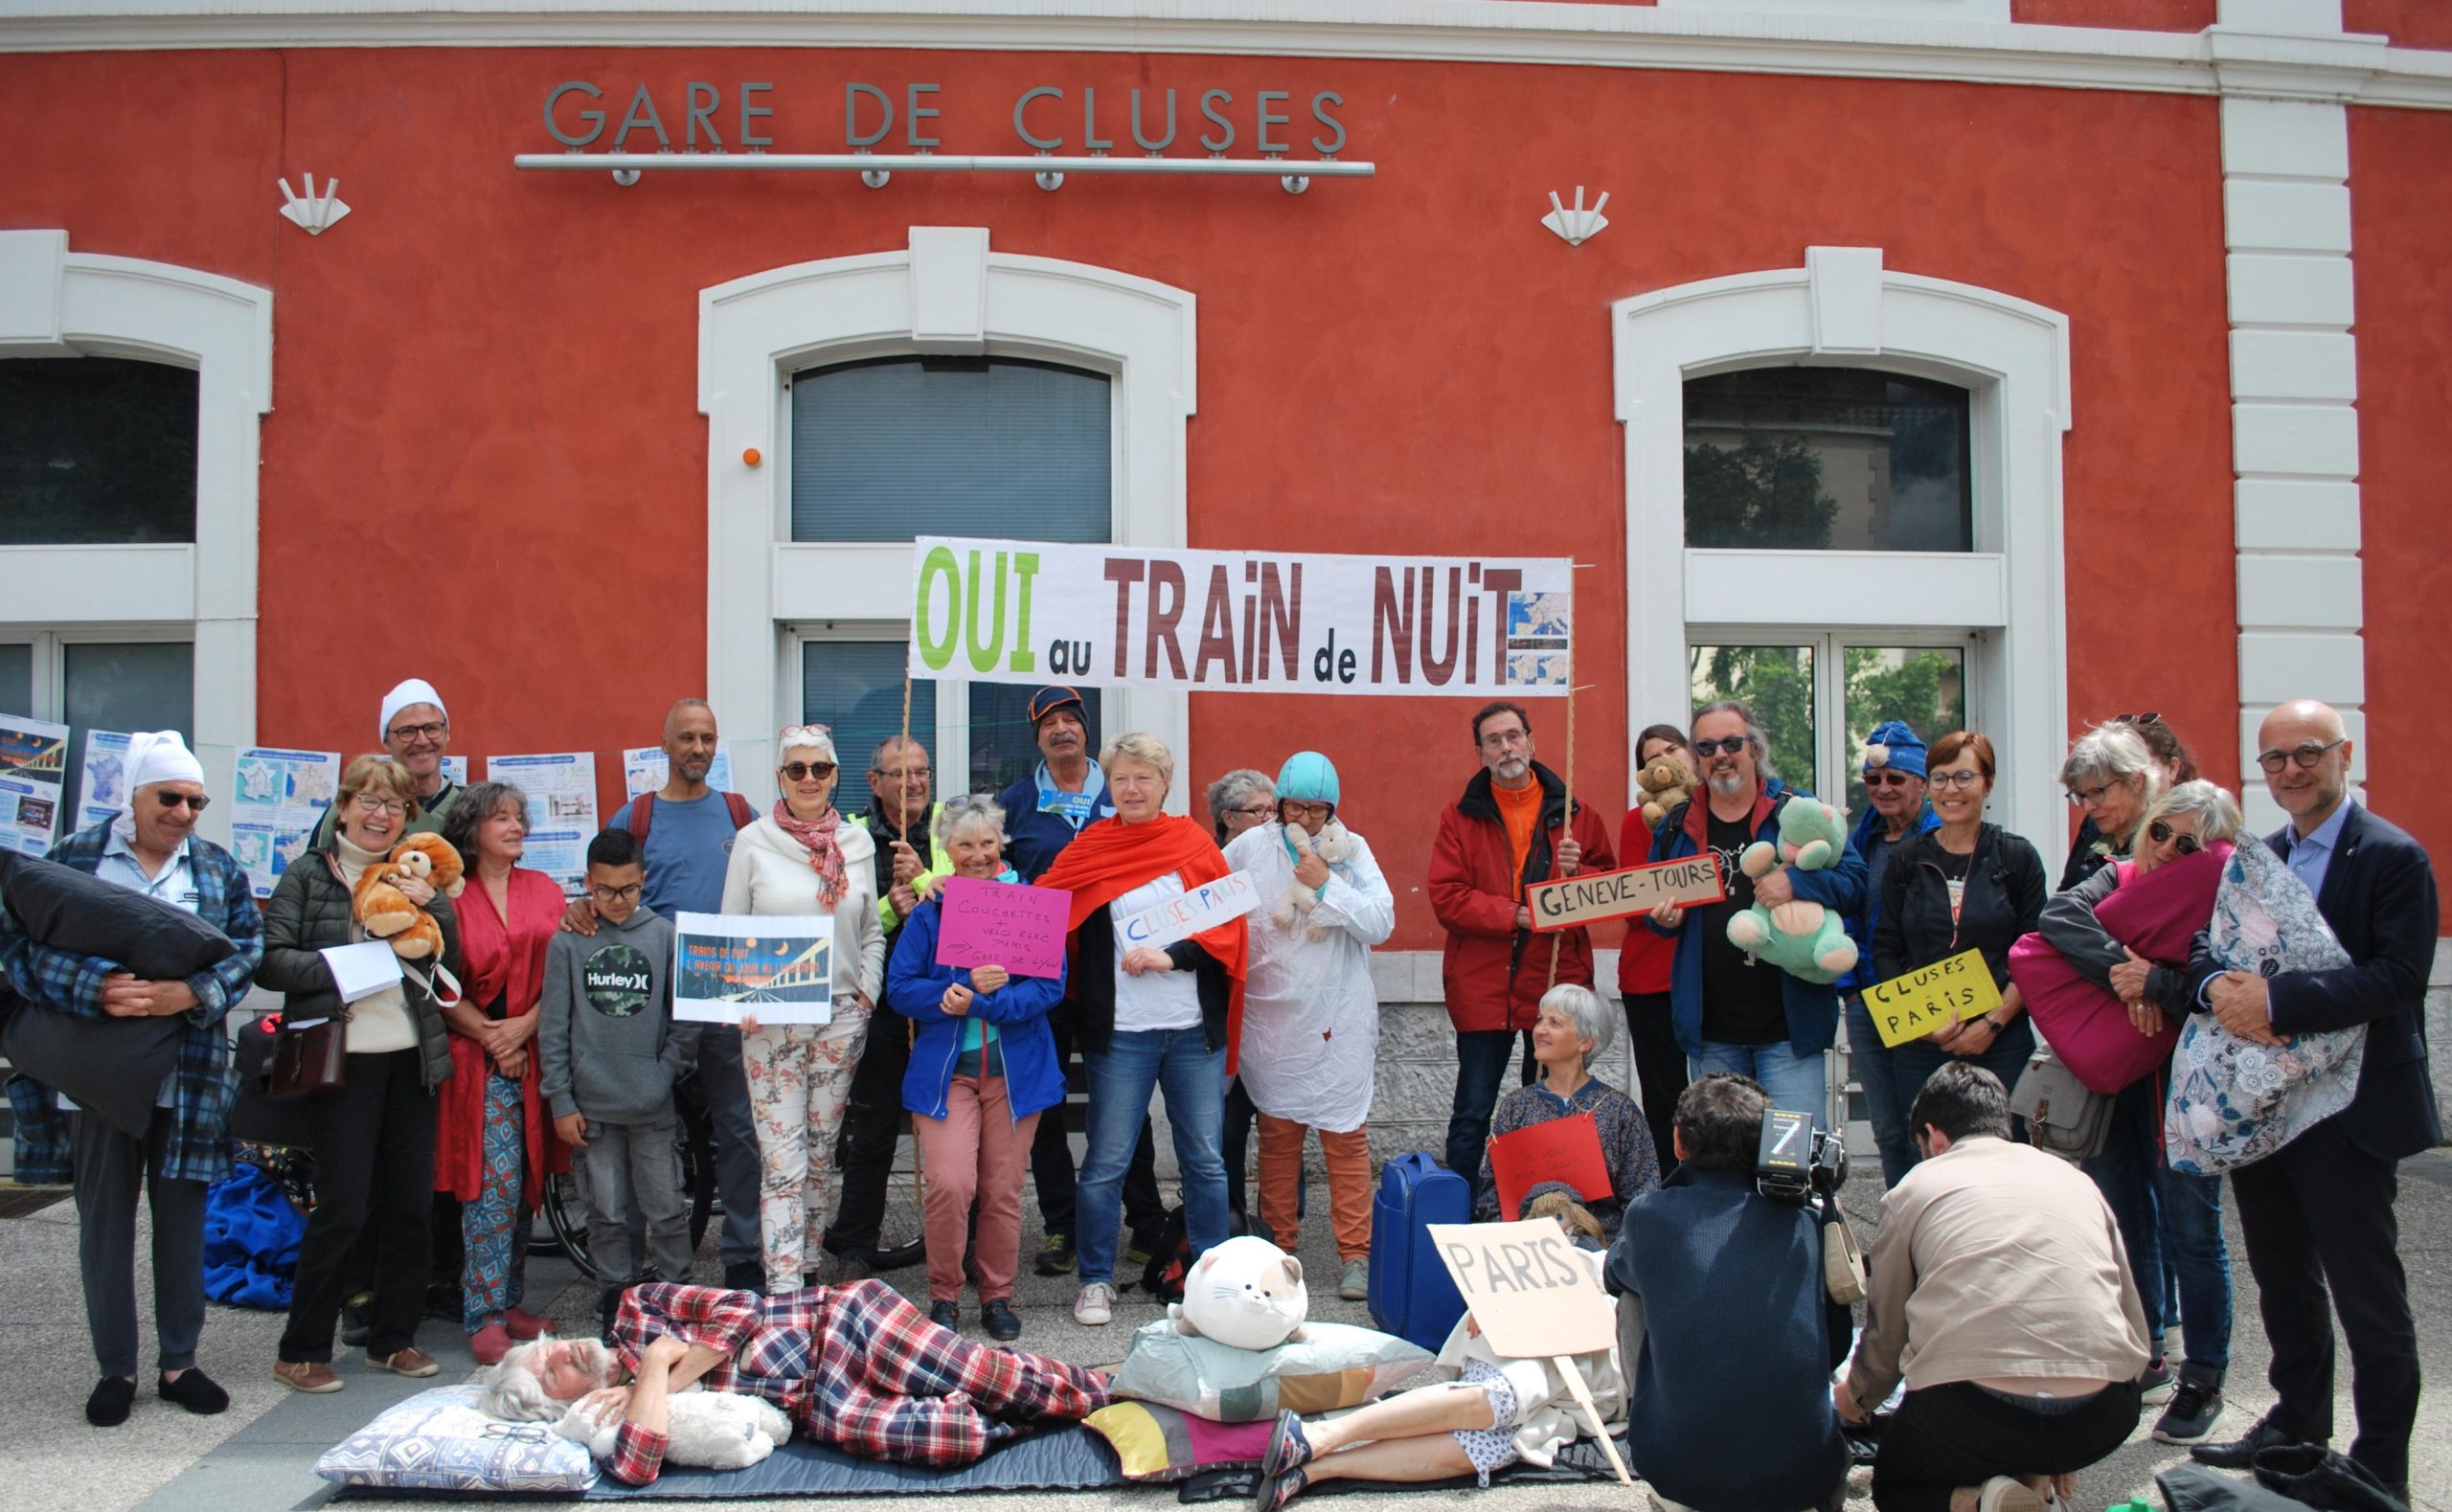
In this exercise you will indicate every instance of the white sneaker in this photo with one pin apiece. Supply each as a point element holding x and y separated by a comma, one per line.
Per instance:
<point>1095,1308</point>
<point>2009,1494</point>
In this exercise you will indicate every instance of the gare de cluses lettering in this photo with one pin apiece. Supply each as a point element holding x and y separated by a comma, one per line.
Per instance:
<point>1045,119</point>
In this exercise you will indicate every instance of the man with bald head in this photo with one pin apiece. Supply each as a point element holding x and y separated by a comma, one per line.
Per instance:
<point>2318,1214</point>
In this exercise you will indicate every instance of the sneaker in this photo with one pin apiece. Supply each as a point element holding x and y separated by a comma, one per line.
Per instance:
<point>849,1267</point>
<point>2155,1387</point>
<point>1056,1258</point>
<point>1289,1448</point>
<point>306,1375</point>
<point>2007,1493</point>
<point>1094,1307</point>
<point>1138,1253</point>
<point>489,1344</point>
<point>1004,1324</point>
<point>357,1319</point>
<point>945,1315</point>
<point>1355,1286</point>
<point>414,1363</point>
<point>2196,1408</point>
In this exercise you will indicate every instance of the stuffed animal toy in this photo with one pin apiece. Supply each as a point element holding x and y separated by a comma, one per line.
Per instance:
<point>1804,939</point>
<point>711,1430</point>
<point>1664,785</point>
<point>386,911</point>
<point>1247,1294</point>
<point>1333,845</point>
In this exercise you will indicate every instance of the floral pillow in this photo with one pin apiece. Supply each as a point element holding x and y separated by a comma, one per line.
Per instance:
<point>1159,1444</point>
<point>437,1440</point>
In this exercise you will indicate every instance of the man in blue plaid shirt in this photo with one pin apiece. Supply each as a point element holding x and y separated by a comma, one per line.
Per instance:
<point>149,848</point>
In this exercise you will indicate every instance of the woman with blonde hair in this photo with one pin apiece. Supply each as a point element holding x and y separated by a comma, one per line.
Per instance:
<point>804,858</point>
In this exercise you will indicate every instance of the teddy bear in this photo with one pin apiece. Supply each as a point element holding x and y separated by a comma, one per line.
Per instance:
<point>1334,843</point>
<point>1804,939</point>
<point>1247,1294</point>
<point>386,912</point>
<point>710,1430</point>
<point>1664,785</point>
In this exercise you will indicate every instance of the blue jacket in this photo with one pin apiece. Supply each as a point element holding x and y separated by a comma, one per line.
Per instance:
<point>1038,835</point>
<point>1812,1006</point>
<point>1866,919</point>
<point>914,987</point>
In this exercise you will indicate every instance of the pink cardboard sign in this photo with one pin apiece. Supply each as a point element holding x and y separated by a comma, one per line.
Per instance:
<point>1003,924</point>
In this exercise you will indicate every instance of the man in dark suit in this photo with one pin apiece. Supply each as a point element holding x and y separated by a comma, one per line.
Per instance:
<point>2318,1215</point>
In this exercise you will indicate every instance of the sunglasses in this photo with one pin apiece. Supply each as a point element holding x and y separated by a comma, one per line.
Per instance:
<point>193,800</point>
<point>2149,718</point>
<point>1888,779</point>
<point>1732,745</point>
<point>2160,834</point>
<point>800,771</point>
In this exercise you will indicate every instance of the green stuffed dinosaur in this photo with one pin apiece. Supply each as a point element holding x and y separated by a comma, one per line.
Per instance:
<point>1804,939</point>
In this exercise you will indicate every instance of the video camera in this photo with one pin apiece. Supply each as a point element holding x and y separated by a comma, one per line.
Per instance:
<point>1797,1162</point>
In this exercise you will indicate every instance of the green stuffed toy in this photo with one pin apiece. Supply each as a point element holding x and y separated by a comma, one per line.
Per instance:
<point>1804,939</point>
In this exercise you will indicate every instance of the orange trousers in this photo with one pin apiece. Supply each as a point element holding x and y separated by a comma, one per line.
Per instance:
<point>1349,1160</point>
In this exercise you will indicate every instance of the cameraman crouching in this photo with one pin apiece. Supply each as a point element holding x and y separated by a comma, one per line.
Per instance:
<point>1727,1324</point>
<point>2000,1290</point>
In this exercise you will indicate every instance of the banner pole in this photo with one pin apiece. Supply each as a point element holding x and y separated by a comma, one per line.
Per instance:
<point>910,1027</point>
<point>1567,824</point>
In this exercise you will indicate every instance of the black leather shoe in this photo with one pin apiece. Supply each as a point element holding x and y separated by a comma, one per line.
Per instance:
<point>745,1276</point>
<point>1004,1324</point>
<point>113,1396</point>
<point>945,1315</point>
<point>2241,1453</point>
<point>901,1257</point>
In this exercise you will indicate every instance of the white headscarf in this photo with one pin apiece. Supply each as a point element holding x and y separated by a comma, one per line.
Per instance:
<point>413,691</point>
<point>158,755</point>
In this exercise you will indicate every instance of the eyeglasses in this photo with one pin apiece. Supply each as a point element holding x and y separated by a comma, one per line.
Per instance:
<point>1732,745</point>
<point>1302,810</point>
<point>2160,833</point>
<point>1252,810</point>
<point>425,731</point>
<point>1500,740</point>
<point>369,804</point>
<point>170,800</point>
<point>1889,778</point>
<point>1954,780</point>
<point>2304,756</point>
<point>902,773</point>
<point>800,771</point>
<point>605,895</point>
<point>2081,797</point>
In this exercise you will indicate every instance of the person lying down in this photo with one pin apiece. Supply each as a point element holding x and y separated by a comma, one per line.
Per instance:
<point>855,1367</point>
<point>1496,1413</point>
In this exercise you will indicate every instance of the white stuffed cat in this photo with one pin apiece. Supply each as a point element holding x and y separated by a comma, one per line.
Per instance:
<point>1333,845</point>
<point>710,1430</point>
<point>1247,1294</point>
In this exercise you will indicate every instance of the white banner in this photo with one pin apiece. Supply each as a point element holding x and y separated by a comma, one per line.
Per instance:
<point>1240,621</point>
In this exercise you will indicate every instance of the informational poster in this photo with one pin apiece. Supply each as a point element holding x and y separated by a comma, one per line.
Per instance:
<point>99,791</point>
<point>1240,622</point>
<point>1213,903</point>
<point>34,768</point>
<point>281,797</point>
<point>1570,902</point>
<point>1003,924</point>
<point>561,810</point>
<point>455,768</point>
<point>778,968</point>
<point>646,769</point>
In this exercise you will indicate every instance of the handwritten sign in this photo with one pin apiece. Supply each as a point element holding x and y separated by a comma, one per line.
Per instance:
<point>1915,1004</point>
<point>1571,902</point>
<point>1203,908</point>
<point>1564,1150</point>
<point>1003,924</point>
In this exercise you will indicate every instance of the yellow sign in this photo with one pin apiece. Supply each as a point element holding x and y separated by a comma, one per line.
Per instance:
<point>1913,1005</point>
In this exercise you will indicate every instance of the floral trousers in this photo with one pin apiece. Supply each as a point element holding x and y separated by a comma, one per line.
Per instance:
<point>494,1230</point>
<point>799,1077</point>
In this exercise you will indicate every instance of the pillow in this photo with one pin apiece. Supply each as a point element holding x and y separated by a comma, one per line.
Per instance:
<point>65,908</point>
<point>437,1440</point>
<point>1158,1444</point>
<point>1331,1366</point>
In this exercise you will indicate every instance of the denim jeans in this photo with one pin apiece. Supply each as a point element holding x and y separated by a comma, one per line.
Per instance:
<point>1121,1079</point>
<point>1481,1065</point>
<point>1870,1059</point>
<point>1795,1083</point>
<point>2168,1216</point>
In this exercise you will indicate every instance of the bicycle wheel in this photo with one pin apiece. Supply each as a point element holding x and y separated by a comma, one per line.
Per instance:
<point>566,1216</point>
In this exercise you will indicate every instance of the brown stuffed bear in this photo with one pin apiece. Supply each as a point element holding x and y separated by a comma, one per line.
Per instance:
<point>386,911</point>
<point>1664,785</point>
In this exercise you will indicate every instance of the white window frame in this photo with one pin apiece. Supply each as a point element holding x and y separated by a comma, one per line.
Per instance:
<point>1843,308</point>
<point>55,303</point>
<point>946,292</point>
<point>1833,756</point>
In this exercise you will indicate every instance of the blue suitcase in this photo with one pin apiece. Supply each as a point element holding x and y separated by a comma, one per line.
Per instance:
<point>1411,1293</point>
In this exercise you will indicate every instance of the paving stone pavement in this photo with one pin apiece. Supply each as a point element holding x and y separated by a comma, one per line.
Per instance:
<point>256,1458</point>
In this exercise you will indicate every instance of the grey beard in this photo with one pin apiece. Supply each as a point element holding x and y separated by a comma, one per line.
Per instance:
<point>1512,770</point>
<point>1727,784</point>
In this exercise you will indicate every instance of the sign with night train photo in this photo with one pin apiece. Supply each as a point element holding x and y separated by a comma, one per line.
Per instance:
<point>1240,621</point>
<point>779,968</point>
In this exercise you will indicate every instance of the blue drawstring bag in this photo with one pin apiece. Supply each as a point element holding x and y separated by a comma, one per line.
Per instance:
<point>251,1238</point>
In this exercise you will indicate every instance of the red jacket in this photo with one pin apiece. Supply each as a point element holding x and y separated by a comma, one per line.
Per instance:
<point>1644,957</point>
<point>1494,973</point>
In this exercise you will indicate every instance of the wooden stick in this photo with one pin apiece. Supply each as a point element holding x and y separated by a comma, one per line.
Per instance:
<point>910,1027</point>
<point>1567,827</point>
<point>1591,1415</point>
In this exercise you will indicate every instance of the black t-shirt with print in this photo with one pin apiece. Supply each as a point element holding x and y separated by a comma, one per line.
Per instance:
<point>1741,1003</point>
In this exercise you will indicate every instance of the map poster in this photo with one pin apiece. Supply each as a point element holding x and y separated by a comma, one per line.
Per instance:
<point>561,810</point>
<point>281,797</point>
<point>100,795</point>
<point>646,769</point>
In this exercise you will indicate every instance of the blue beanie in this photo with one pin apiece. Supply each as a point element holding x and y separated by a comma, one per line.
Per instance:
<point>1309,777</point>
<point>1894,747</point>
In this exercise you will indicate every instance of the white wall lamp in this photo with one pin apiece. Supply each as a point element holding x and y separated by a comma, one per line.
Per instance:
<point>1577,225</point>
<point>316,213</point>
<point>877,169</point>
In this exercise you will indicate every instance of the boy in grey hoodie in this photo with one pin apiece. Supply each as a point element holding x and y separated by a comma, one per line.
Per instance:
<point>610,1050</point>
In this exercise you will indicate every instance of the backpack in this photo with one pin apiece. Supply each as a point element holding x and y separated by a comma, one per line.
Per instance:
<point>642,814</point>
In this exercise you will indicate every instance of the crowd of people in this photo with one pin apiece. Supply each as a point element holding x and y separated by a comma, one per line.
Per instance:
<point>2031,1308</point>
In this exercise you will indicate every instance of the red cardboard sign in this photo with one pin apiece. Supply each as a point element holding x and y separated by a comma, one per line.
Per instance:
<point>1561,1150</point>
